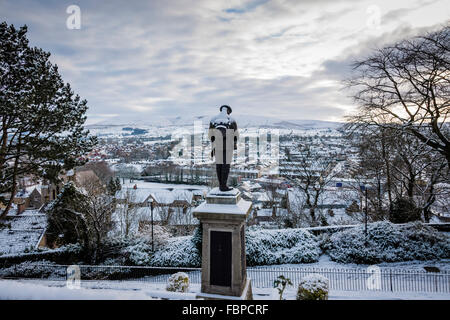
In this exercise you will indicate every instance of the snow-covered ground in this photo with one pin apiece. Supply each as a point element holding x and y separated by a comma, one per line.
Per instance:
<point>43,290</point>
<point>157,185</point>
<point>25,232</point>
<point>135,290</point>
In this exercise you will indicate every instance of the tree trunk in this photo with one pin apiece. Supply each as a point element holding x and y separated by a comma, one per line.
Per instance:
<point>11,200</point>
<point>4,142</point>
<point>14,185</point>
<point>388,173</point>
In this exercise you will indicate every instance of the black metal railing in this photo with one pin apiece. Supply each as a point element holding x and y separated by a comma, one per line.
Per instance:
<point>359,279</point>
<point>349,279</point>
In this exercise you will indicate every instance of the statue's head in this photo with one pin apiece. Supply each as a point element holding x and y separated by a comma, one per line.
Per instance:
<point>228,109</point>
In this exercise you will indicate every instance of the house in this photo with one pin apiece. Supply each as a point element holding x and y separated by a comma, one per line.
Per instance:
<point>136,196</point>
<point>174,198</point>
<point>81,178</point>
<point>25,199</point>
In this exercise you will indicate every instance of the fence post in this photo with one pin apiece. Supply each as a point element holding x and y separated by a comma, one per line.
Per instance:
<point>390,280</point>
<point>436,282</point>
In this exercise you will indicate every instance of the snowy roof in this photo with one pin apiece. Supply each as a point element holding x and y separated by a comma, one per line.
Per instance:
<point>264,212</point>
<point>249,186</point>
<point>25,233</point>
<point>161,196</point>
<point>168,197</point>
<point>261,196</point>
<point>138,195</point>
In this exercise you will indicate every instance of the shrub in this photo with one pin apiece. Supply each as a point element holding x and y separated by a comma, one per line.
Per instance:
<point>126,251</point>
<point>138,254</point>
<point>178,282</point>
<point>34,269</point>
<point>160,235</point>
<point>102,273</point>
<point>68,254</point>
<point>197,238</point>
<point>179,252</point>
<point>313,287</point>
<point>404,210</point>
<point>266,247</point>
<point>263,247</point>
<point>387,242</point>
<point>280,284</point>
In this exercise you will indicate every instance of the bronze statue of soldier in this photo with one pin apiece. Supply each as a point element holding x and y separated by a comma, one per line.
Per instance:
<point>223,133</point>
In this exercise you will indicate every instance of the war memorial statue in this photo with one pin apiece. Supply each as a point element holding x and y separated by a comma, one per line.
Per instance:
<point>223,133</point>
<point>223,216</point>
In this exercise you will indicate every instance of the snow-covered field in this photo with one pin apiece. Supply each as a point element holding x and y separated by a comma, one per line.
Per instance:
<point>157,185</point>
<point>134,290</point>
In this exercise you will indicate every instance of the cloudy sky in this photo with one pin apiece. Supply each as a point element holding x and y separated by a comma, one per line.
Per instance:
<point>163,58</point>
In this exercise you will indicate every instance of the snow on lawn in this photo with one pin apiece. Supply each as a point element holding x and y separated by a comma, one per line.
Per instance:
<point>290,294</point>
<point>139,290</point>
<point>15,290</point>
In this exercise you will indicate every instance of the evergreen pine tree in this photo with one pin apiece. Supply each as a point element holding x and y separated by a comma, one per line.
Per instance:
<point>41,119</point>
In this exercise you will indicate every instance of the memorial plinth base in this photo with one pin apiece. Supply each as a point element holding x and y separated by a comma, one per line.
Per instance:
<point>246,294</point>
<point>223,218</point>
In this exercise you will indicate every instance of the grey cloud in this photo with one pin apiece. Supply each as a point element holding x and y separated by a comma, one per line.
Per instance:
<point>160,58</point>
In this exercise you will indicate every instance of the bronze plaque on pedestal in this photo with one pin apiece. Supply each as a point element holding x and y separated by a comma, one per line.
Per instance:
<point>220,272</point>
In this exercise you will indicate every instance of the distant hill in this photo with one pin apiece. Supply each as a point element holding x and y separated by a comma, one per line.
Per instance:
<point>244,121</point>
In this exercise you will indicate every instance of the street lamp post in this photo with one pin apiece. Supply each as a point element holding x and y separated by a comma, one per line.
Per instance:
<point>151,210</point>
<point>363,188</point>
<point>365,220</point>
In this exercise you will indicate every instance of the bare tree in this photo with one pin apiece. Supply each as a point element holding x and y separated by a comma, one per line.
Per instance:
<point>397,166</point>
<point>100,168</point>
<point>313,172</point>
<point>405,87</point>
<point>125,171</point>
<point>160,234</point>
<point>271,191</point>
<point>128,214</point>
<point>97,210</point>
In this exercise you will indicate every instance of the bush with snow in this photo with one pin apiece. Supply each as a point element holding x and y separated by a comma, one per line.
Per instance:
<point>139,254</point>
<point>178,252</point>
<point>105,273</point>
<point>68,254</point>
<point>388,242</point>
<point>34,269</point>
<point>127,251</point>
<point>266,247</point>
<point>178,282</point>
<point>160,235</point>
<point>313,287</point>
<point>263,247</point>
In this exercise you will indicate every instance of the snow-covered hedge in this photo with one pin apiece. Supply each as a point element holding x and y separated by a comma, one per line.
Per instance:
<point>34,269</point>
<point>126,251</point>
<point>313,287</point>
<point>266,247</point>
<point>67,254</point>
<point>179,252</point>
<point>139,253</point>
<point>388,242</point>
<point>45,269</point>
<point>263,247</point>
<point>178,282</point>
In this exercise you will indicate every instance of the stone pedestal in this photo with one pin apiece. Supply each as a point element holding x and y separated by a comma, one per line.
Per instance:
<point>224,274</point>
